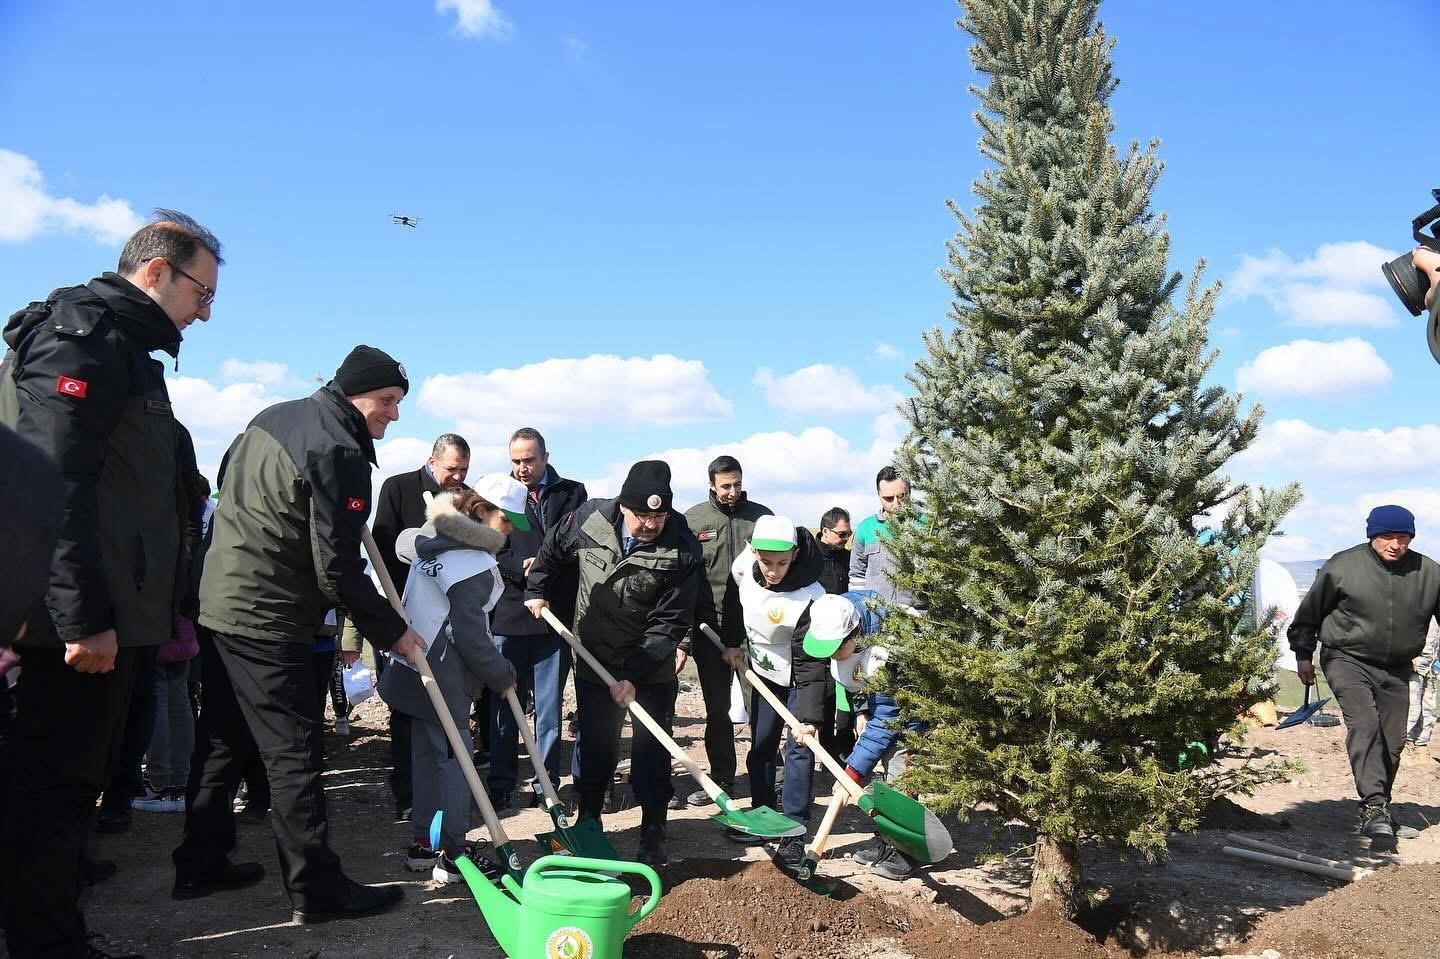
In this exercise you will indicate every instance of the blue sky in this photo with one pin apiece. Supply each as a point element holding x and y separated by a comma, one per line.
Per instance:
<point>649,228</point>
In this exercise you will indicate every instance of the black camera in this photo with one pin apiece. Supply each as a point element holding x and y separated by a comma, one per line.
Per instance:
<point>1409,282</point>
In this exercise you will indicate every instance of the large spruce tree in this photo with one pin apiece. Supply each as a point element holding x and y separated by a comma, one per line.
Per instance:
<point>1085,558</point>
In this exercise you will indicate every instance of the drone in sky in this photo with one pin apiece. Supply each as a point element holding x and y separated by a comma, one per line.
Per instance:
<point>411,221</point>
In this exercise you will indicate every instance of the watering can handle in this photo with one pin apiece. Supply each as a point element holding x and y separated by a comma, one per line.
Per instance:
<point>610,866</point>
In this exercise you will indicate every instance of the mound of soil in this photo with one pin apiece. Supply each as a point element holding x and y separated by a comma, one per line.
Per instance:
<point>1390,915</point>
<point>727,910</point>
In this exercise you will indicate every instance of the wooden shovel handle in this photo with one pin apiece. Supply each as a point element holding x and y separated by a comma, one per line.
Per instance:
<point>842,778</point>
<point>437,699</point>
<point>838,799</point>
<point>712,788</point>
<point>542,775</point>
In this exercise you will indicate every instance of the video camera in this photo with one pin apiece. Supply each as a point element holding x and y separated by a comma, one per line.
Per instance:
<point>1408,281</point>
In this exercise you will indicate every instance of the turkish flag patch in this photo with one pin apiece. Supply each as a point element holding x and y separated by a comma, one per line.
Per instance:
<point>706,535</point>
<point>355,504</point>
<point>69,386</point>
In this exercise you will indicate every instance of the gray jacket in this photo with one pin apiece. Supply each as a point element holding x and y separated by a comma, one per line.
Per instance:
<point>461,650</point>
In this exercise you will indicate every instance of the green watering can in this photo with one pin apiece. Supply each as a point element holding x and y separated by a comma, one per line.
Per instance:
<point>567,908</point>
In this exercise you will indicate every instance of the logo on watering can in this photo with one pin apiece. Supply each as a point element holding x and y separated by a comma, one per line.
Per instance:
<point>568,943</point>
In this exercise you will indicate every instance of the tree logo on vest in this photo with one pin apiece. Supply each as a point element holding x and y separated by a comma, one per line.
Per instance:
<point>775,614</point>
<point>568,943</point>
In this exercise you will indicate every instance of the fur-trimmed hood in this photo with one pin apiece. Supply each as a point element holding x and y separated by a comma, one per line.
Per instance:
<point>446,528</point>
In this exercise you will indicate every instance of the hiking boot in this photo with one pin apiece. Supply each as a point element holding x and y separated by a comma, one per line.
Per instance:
<point>651,851</point>
<point>1375,823</point>
<point>872,853</point>
<point>231,875</point>
<point>701,798</point>
<point>745,838</point>
<point>893,865</point>
<point>790,853</point>
<point>353,901</point>
<point>420,857</point>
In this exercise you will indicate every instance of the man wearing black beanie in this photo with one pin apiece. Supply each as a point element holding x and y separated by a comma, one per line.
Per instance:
<point>1369,609</point>
<point>285,549</point>
<point>639,571</point>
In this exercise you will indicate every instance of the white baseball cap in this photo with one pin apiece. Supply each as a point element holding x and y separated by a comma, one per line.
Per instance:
<point>506,492</point>
<point>832,619</point>
<point>773,534</point>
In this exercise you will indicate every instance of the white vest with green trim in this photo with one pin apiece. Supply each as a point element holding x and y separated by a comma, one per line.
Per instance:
<point>859,668</point>
<point>770,618</point>
<point>427,602</point>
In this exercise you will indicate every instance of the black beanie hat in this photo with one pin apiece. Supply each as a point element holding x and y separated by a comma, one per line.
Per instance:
<point>366,369</point>
<point>30,515</point>
<point>647,488</point>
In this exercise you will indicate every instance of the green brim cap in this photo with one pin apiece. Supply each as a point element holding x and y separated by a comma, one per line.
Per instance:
<point>771,545</point>
<point>521,521</point>
<point>820,648</point>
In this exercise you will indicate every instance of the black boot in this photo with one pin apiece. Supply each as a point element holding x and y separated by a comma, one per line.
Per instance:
<point>652,838</point>
<point>592,805</point>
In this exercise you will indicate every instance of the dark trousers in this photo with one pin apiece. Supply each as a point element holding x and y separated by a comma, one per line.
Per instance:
<point>715,679</point>
<point>400,788</point>
<point>62,742</point>
<point>126,779</point>
<point>260,696</point>
<point>598,744</point>
<point>542,664</point>
<point>837,726</point>
<point>767,729</point>
<point>1375,701</point>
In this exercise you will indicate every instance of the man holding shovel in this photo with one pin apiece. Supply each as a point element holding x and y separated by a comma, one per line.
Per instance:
<point>1369,609</point>
<point>285,548</point>
<point>639,573</point>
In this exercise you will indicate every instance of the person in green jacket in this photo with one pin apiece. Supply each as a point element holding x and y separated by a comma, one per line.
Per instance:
<point>723,524</point>
<point>1369,609</point>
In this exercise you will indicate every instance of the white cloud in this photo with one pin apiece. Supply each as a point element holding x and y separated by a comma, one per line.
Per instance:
<point>1340,285</point>
<point>823,388</point>
<point>576,45</point>
<point>27,210</point>
<point>595,390</point>
<point>884,351</point>
<point>475,18</point>
<point>216,415</point>
<point>258,371</point>
<point>1311,368</point>
<point>1297,448</point>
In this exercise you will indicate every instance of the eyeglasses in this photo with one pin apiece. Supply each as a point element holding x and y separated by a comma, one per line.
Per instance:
<point>207,297</point>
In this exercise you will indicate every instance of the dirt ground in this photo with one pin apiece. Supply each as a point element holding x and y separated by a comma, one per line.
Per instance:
<point>723,900</point>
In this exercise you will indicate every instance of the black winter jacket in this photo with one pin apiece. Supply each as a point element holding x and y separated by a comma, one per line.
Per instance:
<point>558,498</point>
<point>400,506</point>
<point>1367,608</point>
<point>81,385</point>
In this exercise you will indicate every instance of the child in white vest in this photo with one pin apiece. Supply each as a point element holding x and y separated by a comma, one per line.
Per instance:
<point>772,583</point>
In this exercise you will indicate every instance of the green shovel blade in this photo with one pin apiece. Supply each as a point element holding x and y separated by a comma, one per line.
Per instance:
<point>906,824</point>
<point>760,821</point>
<point>584,838</point>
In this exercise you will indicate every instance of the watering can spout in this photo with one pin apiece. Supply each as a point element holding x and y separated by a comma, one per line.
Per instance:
<point>501,912</point>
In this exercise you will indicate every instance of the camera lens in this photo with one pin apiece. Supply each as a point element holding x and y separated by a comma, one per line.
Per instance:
<point>1408,282</point>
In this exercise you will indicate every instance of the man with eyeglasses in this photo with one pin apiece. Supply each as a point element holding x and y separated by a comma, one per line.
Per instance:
<point>870,559</point>
<point>80,383</point>
<point>639,575</point>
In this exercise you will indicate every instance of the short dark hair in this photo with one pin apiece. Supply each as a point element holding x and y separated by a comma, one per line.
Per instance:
<point>450,441</point>
<point>172,235</point>
<point>723,464</point>
<point>886,475</point>
<point>834,515</point>
<point>530,433</point>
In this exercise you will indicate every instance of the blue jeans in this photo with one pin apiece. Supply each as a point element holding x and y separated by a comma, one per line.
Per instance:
<point>881,737</point>
<point>542,664</point>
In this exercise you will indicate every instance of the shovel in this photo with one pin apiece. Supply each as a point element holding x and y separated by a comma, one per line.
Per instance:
<point>509,862</point>
<point>900,820</point>
<point>763,821</point>
<point>578,839</point>
<point>805,872</point>
<point>1304,712</point>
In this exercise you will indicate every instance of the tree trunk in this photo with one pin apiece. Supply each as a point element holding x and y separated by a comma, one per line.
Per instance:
<point>1055,881</point>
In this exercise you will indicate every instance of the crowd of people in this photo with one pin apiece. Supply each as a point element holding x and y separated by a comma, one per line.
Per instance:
<point>166,650</point>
